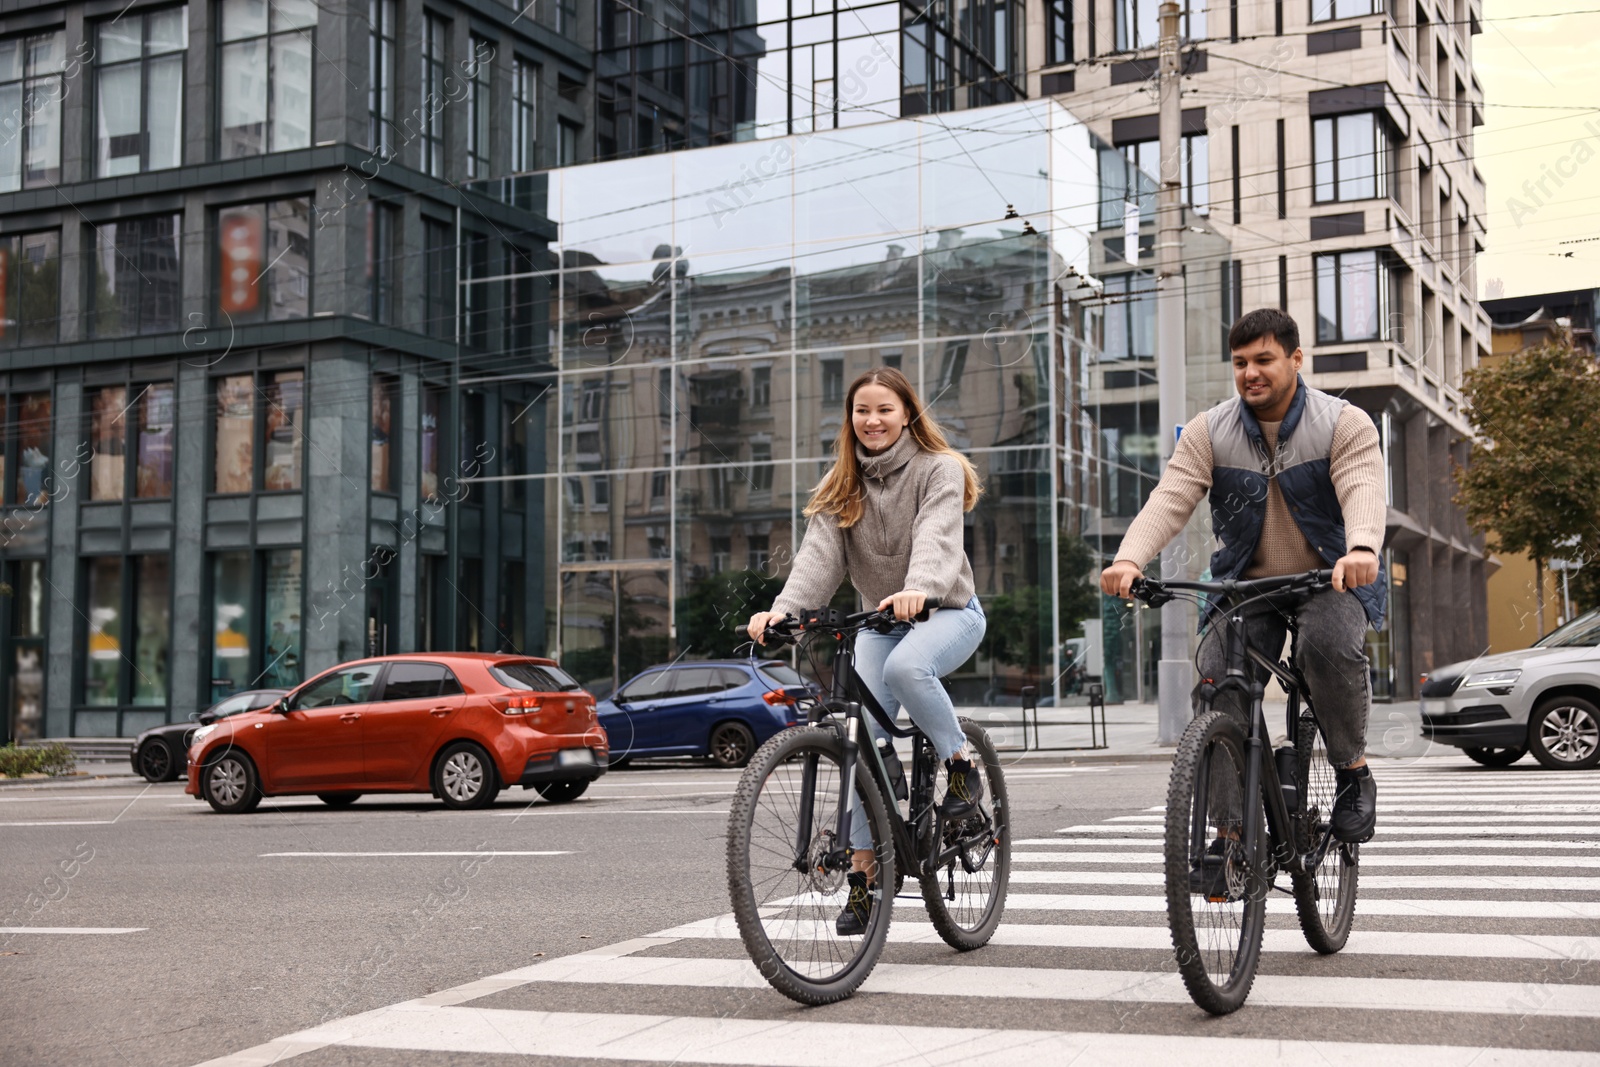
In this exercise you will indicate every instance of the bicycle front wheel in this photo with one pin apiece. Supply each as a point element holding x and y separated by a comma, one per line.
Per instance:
<point>967,896</point>
<point>1216,899</point>
<point>1325,899</point>
<point>787,895</point>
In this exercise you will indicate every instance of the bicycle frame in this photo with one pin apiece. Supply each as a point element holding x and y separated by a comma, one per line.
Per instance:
<point>853,732</point>
<point>1261,770</point>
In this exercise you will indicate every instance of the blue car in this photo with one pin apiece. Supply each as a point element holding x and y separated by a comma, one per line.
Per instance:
<point>724,709</point>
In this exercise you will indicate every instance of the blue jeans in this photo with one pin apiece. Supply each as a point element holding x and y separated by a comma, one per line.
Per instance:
<point>902,669</point>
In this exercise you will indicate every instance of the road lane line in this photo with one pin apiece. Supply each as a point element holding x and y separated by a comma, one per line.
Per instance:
<point>1383,829</point>
<point>1582,846</point>
<point>63,822</point>
<point>1540,883</point>
<point>481,852</point>
<point>1408,907</point>
<point>1367,859</point>
<point>73,929</point>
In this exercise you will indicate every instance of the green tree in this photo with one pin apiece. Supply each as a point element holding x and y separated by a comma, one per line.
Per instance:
<point>1532,483</point>
<point>709,612</point>
<point>1018,633</point>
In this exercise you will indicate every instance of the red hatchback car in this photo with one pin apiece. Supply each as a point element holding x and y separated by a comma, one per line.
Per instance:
<point>461,726</point>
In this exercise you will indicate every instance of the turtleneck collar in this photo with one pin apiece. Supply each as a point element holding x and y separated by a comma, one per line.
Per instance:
<point>882,464</point>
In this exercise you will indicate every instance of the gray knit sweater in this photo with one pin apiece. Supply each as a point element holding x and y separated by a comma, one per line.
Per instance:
<point>910,536</point>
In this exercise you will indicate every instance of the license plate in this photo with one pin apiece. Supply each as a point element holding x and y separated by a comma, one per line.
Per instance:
<point>575,757</point>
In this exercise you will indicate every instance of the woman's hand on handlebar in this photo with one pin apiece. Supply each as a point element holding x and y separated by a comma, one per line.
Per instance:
<point>907,603</point>
<point>759,623</point>
<point>1117,579</point>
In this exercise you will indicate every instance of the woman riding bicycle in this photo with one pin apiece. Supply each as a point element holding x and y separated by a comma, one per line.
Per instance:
<point>888,516</point>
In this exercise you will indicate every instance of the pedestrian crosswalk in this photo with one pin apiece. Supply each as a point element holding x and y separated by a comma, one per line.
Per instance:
<point>1476,941</point>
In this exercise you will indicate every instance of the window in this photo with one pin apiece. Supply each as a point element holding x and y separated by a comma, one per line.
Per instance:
<point>756,554</point>
<point>439,269</point>
<point>1058,32</point>
<point>1132,173</point>
<point>383,225</point>
<point>651,686</point>
<point>832,381</point>
<point>514,453</point>
<point>761,387</point>
<point>127,664</point>
<point>352,685</point>
<point>1130,316</point>
<point>384,391</point>
<point>1139,23</point>
<point>721,554</point>
<point>475,290</point>
<point>761,466</point>
<point>1350,157</point>
<point>479,97</point>
<point>30,289</point>
<point>282,432</point>
<point>264,67</point>
<point>264,261</point>
<point>1326,10</point>
<point>256,600</point>
<point>434,33</point>
<point>419,681</point>
<point>139,92</point>
<point>565,16</point>
<point>658,489</point>
<point>433,398</point>
<point>381,30</point>
<point>524,114</point>
<point>135,286</point>
<point>147,434</point>
<point>30,100</point>
<point>1355,293</point>
<point>32,449</point>
<point>567,145</point>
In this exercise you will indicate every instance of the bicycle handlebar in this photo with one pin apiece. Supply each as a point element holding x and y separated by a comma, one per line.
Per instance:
<point>787,629</point>
<point>1156,592</point>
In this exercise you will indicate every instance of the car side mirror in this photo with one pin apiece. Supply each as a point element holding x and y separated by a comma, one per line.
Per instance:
<point>206,719</point>
<point>282,706</point>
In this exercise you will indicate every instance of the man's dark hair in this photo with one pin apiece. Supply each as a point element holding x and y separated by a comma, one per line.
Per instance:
<point>1265,322</point>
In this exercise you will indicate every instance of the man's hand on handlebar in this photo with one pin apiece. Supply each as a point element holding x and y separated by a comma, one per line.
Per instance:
<point>907,603</point>
<point>759,623</point>
<point>1355,568</point>
<point>1117,579</point>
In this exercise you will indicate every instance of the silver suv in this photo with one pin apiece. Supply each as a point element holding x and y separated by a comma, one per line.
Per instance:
<point>1545,699</point>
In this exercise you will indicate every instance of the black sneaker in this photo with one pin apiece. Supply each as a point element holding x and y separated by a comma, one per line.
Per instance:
<point>965,791</point>
<point>1355,805</point>
<point>852,921</point>
<point>1208,877</point>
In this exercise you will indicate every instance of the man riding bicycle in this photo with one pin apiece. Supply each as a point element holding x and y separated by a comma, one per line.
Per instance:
<point>1295,478</point>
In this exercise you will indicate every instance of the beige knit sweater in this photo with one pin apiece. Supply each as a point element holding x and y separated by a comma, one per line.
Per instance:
<point>1355,466</point>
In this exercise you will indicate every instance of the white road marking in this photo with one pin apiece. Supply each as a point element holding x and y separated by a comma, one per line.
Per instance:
<point>1468,842</point>
<point>55,799</point>
<point>1367,860</point>
<point>1384,828</point>
<point>63,822</point>
<point>1278,904</point>
<point>1383,943</point>
<point>481,852</point>
<point>1541,883</point>
<point>73,929</point>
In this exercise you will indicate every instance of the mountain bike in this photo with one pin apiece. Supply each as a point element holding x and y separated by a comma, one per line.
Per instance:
<point>790,822</point>
<point>1222,856</point>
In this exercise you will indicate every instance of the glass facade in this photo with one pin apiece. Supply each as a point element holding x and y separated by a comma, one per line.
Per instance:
<point>706,311</point>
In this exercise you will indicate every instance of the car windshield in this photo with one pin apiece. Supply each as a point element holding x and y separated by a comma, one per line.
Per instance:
<point>236,704</point>
<point>539,677</point>
<point>1582,632</point>
<point>782,673</point>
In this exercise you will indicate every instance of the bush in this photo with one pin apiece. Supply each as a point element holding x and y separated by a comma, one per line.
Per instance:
<point>43,759</point>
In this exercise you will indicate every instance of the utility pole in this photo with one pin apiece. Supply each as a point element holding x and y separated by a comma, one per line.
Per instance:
<point>1175,669</point>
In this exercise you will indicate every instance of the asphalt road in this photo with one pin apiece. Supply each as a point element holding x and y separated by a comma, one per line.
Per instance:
<point>250,928</point>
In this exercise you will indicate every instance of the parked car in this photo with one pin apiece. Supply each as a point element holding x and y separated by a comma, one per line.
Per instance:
<point>461,726</point>
<point>724,709</point>
<point>159,752</point>
<point>1544,699</point>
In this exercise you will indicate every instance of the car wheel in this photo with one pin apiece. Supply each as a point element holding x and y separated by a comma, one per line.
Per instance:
<point>338,800</point>
<point>732,744</point>
<point>1564,733</point>
<point>156,762</point>
<point>230,784</point>
<point>464,777</point>
<point>1495,757</point>
<point>562,792</point>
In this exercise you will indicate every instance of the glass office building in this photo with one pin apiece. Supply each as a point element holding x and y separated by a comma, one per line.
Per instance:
<point>702,313</point>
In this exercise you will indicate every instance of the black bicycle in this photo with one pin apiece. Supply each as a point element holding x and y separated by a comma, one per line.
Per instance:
<point>789,831</point>
<point>1224,847</point>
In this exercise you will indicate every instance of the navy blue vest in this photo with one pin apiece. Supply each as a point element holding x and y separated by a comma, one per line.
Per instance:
<point>1241,468</point>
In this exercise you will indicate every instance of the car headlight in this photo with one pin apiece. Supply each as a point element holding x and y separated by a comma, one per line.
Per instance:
<point>1492,678</point>
<point>202,733</point>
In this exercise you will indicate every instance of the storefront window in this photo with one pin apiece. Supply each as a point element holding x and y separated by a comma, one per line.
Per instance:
<point>284,588</point>
<point>108,437</point>
<point>235,454</point>
<point>432,397</point>
<point>33,446</point>
<point>153,620</point>
<point>383,390</point>
<point>284,438</point>
<point>230,615</point>
<point>104,665</point>
<point>157,410</point>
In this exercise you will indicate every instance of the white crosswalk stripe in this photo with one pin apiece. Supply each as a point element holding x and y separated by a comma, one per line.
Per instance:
<point>1475,882</point>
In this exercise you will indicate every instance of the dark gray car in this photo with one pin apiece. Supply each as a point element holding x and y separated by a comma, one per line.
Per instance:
<point>1544,699</point>
<point>159,754</point>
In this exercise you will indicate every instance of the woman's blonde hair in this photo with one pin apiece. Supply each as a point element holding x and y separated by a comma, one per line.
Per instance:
<point>840,492</point>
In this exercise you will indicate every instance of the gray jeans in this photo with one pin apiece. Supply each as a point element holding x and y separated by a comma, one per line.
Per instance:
<point>1333,658</point>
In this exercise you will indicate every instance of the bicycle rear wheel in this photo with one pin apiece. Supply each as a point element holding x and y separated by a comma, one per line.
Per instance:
<point>785,899</point>
<point>967,896</point>
<point>1216,902</point>
<point>1325,900</point>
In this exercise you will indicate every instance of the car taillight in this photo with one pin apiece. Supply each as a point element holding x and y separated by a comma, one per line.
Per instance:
<point>777,696</point>
<point>522,704</point>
